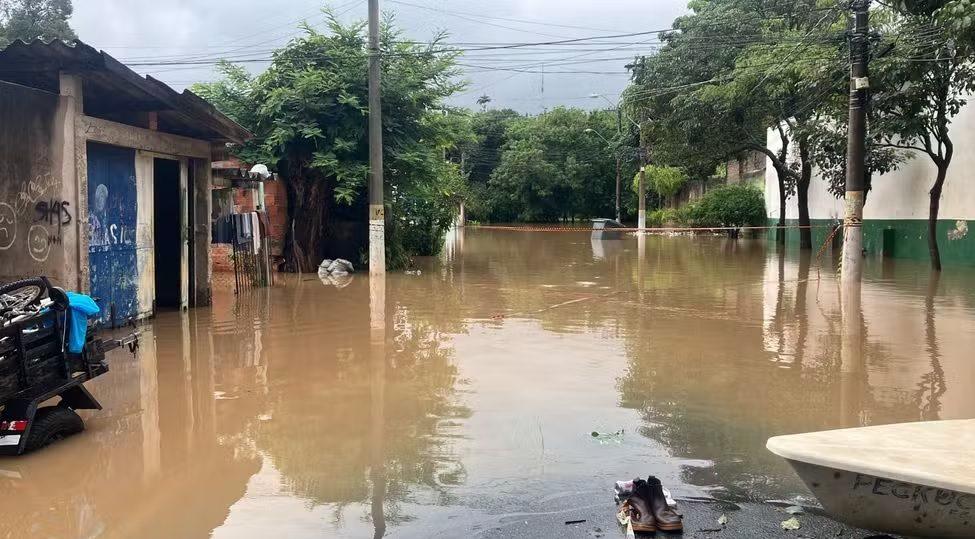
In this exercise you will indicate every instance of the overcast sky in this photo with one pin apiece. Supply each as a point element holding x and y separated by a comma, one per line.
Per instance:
<point>138,31</point>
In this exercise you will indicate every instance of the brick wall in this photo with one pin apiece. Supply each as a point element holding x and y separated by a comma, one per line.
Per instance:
<point>220,253</point>
<point>747,168</point>
<point>245,200</point>
<point>276,198</point>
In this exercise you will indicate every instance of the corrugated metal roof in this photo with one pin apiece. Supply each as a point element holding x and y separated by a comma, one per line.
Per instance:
<point>113,89</point>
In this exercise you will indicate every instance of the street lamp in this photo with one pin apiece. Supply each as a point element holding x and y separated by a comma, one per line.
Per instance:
<point>598,134</point>
<point>618,107</point>
<point>590,131</point>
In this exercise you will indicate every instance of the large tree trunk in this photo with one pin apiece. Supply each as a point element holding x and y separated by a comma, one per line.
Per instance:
<point>935,193</point>
<point>308,196</point>
<point>802,191</point>
<point>780,231</point>
<point>782,173</point>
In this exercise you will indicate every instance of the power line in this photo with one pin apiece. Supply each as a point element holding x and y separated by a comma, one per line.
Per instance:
<point>507,19</point>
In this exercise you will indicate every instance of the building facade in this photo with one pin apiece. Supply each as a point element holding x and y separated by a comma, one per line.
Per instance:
<point>105,179</point>
<point>896,212</point>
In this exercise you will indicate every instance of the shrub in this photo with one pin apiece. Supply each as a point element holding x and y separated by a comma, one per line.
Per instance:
<point>665,181</point>
<point>729,205</point>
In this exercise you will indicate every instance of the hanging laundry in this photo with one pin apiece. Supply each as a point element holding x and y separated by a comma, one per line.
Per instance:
<point>256,237</point>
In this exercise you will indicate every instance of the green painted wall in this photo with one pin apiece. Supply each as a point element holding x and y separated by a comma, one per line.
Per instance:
<point>904,239</point>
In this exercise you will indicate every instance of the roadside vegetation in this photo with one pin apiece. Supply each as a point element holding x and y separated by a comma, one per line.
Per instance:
<point>308,113</point>
<point>731,77</point>
<point>733,71</point>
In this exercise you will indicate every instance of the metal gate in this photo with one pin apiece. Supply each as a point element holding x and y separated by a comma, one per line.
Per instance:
<point>112,213</point>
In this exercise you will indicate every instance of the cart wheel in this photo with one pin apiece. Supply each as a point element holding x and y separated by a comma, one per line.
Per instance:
<point>52,423</point>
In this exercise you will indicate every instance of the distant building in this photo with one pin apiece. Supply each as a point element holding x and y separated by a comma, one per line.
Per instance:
<point>895,216</point>
<point>105,179</point>
<point>237,191</point>
<point>748,167</point>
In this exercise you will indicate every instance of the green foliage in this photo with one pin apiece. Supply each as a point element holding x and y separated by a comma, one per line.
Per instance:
<point>665,217</point>
<point>553,166</point>
<point>711,98</point>
<point>663,180</point>
<point>309,113</point>
<point>959,17</point>
<point>35,19</point>
<point>730,205</point>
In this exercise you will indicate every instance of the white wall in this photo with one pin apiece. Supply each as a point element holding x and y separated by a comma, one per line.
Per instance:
<point>902,194</point>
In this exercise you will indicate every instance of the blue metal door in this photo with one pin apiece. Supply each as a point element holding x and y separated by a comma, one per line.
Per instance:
<point>111,231</point>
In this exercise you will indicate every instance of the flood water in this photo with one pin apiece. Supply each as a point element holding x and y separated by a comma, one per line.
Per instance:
<point>266,416</point>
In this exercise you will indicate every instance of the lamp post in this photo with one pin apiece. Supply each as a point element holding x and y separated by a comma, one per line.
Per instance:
<point>618,171</point>
<point>619,111</point>
<point>642,212</point>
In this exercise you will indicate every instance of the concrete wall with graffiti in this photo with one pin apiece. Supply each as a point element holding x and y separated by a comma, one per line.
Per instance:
<point>38,219</point>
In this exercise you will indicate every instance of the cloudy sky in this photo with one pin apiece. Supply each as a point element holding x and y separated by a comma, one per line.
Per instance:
<point>529,79</point>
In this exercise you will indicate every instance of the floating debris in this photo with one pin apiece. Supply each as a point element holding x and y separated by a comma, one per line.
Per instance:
<point>608,437</point>
<point>723,520</point>
<point>791,524</point>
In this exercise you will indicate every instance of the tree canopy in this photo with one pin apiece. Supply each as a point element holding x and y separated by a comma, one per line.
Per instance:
<point>309,114</point>
<point>35,19</point>
<point>557,165</point>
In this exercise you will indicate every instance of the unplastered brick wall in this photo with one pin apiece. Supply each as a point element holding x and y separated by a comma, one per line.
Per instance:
<point>221,254</point>
<point>276,198</point>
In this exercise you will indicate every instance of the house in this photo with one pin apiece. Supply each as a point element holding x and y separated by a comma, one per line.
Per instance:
<point>236,191</point>
<point>105,179</point>
<point>895,217</point>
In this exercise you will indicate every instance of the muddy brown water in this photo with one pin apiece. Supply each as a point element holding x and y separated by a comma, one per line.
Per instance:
<point>266,416</point>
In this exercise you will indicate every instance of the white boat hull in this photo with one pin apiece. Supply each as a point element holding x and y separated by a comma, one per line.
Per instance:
<point>888,505</point>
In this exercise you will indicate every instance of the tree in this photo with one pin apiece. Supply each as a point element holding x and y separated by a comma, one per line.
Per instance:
<point>737,69</point>
<point>663,180</point>
<point>959,17</point>
<point>309,115</point>
<point>557,165</point>
<point>698,116</point>
<point>481,157</point>
<point>730,206</point>
<point>483,102</point>
<point>934,75</point>
<point>35,19</point>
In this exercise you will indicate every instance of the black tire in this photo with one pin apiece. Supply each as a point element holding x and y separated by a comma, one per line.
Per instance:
<point>22,293</point>
<point>51,424</point>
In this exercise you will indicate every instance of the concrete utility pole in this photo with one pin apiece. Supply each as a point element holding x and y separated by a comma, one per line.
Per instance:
<point>619,171</point>
<point>642,194</point>
<point>377,210</point>
<point>856,150</point>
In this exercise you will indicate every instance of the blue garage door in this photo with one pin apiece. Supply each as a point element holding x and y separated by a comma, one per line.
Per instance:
<point>111,231</point>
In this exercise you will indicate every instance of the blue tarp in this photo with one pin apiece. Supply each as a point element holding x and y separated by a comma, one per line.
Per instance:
<point>80,307</point>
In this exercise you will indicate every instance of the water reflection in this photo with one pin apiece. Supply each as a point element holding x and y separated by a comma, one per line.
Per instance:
<point>160,444</point>
<point>273,412</point>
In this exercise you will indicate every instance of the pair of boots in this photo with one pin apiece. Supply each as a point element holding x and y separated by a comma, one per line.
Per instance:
<point>648,509</point>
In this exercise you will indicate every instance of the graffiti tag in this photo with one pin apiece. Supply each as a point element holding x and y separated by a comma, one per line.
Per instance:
<point>920,496</point>
<point>53,212</point>
<point>8,226</point>
<point>31,191</point>
<point>38,243</point>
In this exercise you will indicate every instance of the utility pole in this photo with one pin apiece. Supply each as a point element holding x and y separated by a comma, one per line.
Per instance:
<point>852,270</point>
<point>619,151</point>
<point>851,351</point>
<point>377,210</point>
<point>618,172</point>
<point>642,194</point>
<point>377,265</point>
